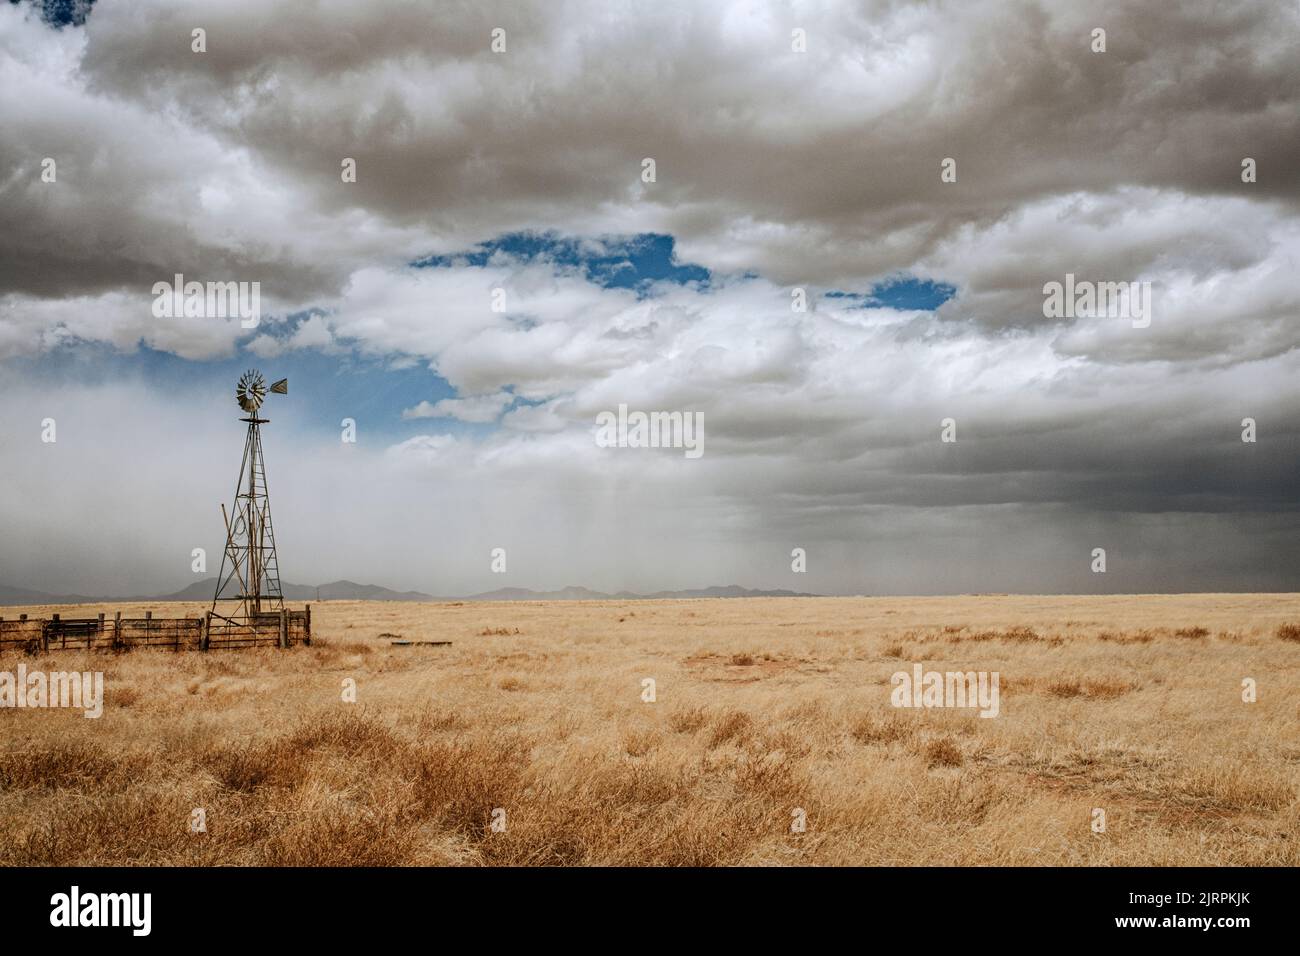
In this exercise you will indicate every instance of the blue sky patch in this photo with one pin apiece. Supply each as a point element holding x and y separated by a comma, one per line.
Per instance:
<point>906,293</point>
<point>62,13</point>
<point>323,389</point>
<point>622,262</point>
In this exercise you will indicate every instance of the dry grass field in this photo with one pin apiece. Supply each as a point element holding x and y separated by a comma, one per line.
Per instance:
<point>1128,704</point>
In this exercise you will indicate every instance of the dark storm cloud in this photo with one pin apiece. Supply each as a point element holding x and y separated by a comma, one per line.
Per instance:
<point>774,169</point>
<point>810,168</point>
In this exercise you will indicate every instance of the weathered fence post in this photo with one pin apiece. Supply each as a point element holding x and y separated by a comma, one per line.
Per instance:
<point>63,634</point>
<point>99,629</point>
<point>284,628</point>
<point>306,634</point>
<point>117,630</point>
<point>207,631</point>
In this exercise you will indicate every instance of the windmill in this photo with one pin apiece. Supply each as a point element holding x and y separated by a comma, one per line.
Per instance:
<point>254,570</point>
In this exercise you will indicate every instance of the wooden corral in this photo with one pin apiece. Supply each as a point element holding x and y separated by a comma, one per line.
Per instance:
<point>209,632</point>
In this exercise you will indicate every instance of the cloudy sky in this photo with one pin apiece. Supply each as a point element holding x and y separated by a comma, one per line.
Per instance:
<point>776,169</point>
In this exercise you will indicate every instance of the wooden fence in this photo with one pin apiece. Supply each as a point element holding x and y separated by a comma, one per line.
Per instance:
<point>210,632</point>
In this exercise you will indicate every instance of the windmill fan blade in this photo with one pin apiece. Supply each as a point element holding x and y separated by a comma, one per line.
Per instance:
<point>250,391</point>
<point>281,387</point>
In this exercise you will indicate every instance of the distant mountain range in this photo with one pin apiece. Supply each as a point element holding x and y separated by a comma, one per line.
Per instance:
<point>351,591</point>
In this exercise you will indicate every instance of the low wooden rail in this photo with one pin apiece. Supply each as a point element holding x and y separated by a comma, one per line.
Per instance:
<point>209,632</point>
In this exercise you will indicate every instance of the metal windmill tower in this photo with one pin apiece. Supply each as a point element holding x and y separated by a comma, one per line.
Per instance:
<point>250,539</point>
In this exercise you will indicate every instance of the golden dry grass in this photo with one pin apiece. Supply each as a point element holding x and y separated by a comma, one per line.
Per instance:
<point>764,706</point>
